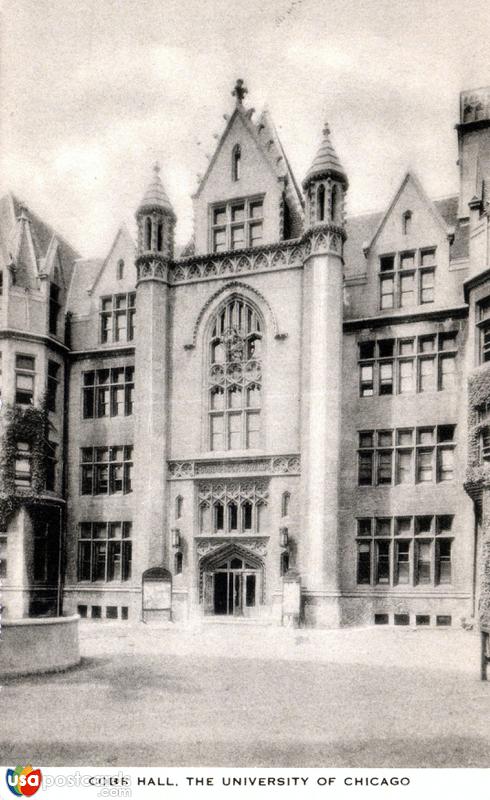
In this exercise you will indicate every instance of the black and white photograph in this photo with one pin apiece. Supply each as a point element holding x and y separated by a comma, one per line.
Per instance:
<point>244,396</point>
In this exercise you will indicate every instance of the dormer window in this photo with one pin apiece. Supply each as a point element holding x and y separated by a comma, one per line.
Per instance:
<point>236,162</point>
<point>120,269</point>
<point>407,222</point>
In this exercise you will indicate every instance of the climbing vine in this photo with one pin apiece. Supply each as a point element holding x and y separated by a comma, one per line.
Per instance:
<point>23,424</point>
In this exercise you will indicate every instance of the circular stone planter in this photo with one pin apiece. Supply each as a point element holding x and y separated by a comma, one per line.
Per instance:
<point>35,645</point>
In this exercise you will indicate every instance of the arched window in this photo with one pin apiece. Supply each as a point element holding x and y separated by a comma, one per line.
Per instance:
<point>334,204</point>
<point>120,269</point>
<point>160,237</point>
<point>179,506</point>
<point>148,233</point>
<point>236,162</point>
<point>284,562</point>
<point>407,222</point>
<point>285,504</point>
<point>320,203</point>
<point>235,378</point>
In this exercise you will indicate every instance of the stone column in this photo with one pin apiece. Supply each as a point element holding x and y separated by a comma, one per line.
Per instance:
<point>151,409</point>
<point>321,412</point>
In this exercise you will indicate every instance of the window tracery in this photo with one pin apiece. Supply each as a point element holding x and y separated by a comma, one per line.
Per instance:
<point>232,508</point>
<point>235,378</point>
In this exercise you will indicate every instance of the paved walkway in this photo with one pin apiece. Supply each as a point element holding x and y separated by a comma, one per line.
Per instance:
<point>453,650</point>
<point>240,696</point>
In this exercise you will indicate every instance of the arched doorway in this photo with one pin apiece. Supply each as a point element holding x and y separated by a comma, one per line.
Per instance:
<point>232,583</point>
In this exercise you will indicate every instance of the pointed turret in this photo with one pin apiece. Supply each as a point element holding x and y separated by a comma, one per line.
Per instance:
<point>156,219</point>
<point>325,185</point>
<point>326,163</point>
<point>155,196</point>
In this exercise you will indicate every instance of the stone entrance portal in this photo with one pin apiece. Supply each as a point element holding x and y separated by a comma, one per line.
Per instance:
<point>232,583</point>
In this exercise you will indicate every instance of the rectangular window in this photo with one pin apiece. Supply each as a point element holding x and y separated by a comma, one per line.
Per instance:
<point>404,473</point>
<point>236,226</point>
<point>24,379</point>
<point>53,380</point>
<point>217,437</point>
<point>365,468</point>
<point>382,562</point>
<point>104,551</point>
<point>424,558</point>
<point>108,392</point>
<point>443,560</point>
<point>406,384</point>
<point>23,467</point>
<point>427,286</point>
<point>423,364</point>
<point>407,290</point>
<point>253,430</point>
<point>426,374</point>
<point>407,278</point>
<point>387,286</point>
<point>51,462</point>
<point>106,470</point>
<point>364,562</point>
<point>117,318</point>
<point>385,461</point>
<point>402,561</point>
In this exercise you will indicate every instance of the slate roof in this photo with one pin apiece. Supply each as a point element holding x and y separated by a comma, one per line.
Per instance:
<point>326,160</point>
<point>155,194</point>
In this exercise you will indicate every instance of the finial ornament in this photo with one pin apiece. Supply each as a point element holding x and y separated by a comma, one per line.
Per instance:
<point>239,91</point>
<point>326,129</point>
<point>156,168</point>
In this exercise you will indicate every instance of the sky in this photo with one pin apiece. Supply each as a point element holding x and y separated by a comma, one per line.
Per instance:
<point>92,92</point>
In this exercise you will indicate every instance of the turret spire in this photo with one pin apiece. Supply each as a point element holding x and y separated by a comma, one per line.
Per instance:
<point>326,162</point>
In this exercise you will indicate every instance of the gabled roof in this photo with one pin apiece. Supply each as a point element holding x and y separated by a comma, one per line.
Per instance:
<point>124,233</point>
<point>410,177</point>
<point>265,136</point>
<point>361,229</point>
<point>41,240</point>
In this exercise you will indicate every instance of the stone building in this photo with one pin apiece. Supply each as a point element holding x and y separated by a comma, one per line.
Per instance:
<point>286,401</point>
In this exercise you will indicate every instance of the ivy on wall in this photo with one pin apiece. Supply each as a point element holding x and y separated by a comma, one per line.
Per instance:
<point>22,424</point>
<point>477,473</point>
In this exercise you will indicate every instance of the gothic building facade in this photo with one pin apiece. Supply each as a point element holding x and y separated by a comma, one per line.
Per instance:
<point>298,396</point>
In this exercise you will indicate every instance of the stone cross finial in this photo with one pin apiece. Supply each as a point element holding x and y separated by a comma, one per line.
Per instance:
<point>326,129</point>
<point>156,168</point>
<point>239,91</point>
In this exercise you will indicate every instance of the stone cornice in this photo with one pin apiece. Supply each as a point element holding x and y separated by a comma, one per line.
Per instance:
<point>108,352</point>
<point>49,341</point>
<point>460,312</point>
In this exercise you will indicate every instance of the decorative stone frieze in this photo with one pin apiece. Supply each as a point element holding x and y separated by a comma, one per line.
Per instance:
<point>323,239</point>
<point>151,268</point>
<point>263,259</point>
<point>262,465</point>
<point>207,546</point>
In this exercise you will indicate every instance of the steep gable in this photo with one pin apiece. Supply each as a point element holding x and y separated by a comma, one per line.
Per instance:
<point>108,280</point>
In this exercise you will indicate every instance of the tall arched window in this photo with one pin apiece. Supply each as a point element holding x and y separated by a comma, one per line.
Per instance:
<point>120,269</point>
<point>148,233</point>
<point>320,203</point>
<point>236,162</point>
<point>160,237</point>
<point>235,378</point>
